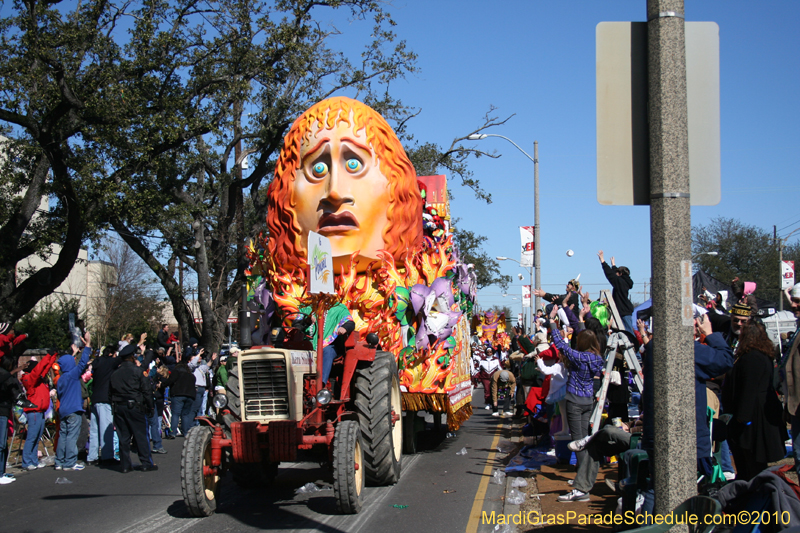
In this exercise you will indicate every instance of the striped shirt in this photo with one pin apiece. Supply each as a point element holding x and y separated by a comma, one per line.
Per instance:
<point>585,365</point>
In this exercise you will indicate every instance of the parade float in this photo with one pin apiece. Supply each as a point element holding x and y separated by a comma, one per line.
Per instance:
<point>343,175</point>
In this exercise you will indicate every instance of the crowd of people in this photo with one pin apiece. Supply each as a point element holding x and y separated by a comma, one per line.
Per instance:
<point>104,402</point>
<point>746,386</point>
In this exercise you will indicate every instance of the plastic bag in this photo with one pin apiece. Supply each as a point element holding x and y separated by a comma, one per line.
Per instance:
<point>515,497</point>
<point>308,488</point>
<point>63,481</point>
<point>50,460</point>
<point>519,482</point>
<point>499,477</point>
<point>503,528</point>
<point>462,451</point>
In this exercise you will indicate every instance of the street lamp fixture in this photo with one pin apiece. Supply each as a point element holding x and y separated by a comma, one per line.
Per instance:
<point>537,265</point>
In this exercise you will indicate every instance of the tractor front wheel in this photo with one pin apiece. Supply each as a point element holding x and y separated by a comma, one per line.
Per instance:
<point>348,467</point>
<point>199,488</point>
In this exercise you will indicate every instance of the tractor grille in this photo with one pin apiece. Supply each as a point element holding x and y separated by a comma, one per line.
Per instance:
<point>265,388</point>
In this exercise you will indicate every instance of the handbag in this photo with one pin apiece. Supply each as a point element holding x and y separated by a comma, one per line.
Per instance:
<point>616,378</point>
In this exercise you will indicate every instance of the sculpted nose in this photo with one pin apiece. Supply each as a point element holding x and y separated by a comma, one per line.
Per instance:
<point>337,191</point>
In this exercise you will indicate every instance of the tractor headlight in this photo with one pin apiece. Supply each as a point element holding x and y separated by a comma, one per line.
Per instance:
<point>324,397</point>
<point>219,401</point>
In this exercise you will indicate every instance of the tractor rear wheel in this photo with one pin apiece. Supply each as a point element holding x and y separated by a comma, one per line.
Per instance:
<point>378,404</point>
<point>199,490</point>
<point>348,467</point>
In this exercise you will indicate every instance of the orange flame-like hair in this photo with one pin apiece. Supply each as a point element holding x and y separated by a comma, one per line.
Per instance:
<point>402,234</point>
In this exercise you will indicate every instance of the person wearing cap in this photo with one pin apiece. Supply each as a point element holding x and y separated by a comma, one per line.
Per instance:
<point>731,325</point>
<point>9,339</point>
<point>71,406</point>
<point>572,295</point>
<point>132,400</point>
<point>621,284</point>
<point>505,380</point>
<point>791,372</point>
<point>38,393</point>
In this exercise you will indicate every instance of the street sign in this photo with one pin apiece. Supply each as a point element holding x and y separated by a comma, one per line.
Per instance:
<point>787,275</point>
<point>623,153</point>
<point>320,264</point>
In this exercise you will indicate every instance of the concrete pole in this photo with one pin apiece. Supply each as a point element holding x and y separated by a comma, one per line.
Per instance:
<point>670,226</point>
<point>537,236</point>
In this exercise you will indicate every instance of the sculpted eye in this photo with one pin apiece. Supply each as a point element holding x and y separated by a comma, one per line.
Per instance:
<point>319,169</point>
<point>353,165</point>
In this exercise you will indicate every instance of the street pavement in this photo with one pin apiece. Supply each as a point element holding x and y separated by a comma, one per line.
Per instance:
<point>438,491</point>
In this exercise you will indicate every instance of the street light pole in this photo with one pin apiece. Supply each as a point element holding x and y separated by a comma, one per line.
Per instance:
<point>537,265</point>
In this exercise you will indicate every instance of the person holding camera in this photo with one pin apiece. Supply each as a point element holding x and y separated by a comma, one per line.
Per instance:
<point>132,401</point>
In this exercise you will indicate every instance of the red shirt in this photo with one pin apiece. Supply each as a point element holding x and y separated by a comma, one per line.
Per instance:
<point>37,390</point>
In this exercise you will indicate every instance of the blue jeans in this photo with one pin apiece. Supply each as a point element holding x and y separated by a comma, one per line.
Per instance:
<point>197,407</point>
<point>101,433</point>
<point>67,449</point>
<point>154,426</point>
<point>725,457</point>
<point>181,412</point>
<point>628,321</point>
<point>3,444</point>
<point>30,453</point>
<point>328,355</point>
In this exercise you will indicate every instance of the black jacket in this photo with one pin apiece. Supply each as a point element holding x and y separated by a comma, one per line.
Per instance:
<point>10,388</point>
<point>620,285</point>
<point>128,382</point>
<point>102,368</point>
<point>163,339</point>
<point>181,383</point>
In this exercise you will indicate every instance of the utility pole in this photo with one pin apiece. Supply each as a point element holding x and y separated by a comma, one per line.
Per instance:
<point>537,237</point>
<point>675,444</point>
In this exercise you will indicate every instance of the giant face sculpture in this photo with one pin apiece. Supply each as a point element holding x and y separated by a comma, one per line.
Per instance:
<point>343,173</point>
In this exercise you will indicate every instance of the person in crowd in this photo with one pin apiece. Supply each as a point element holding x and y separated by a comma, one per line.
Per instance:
<point>38,392</point>
<point>9,339</point>
<point>163,337</point>
<point>132,401</point>
<point>503,380</point>
<point>190,350</point>
<point>488,366</point>
<point>791,376</point>
<point>621,284</point>
<point>556,368</point>
<point>584,362</point>
<point>126,340</point>
<point>743,291</point>
<point>756,431</point>
<point>101,429</point>
<point>181,384</point>
<point>201,370</point>
<point>712,357</point>
<point>11,393</point>
<point>731,325</point>
<point>572,295</point>
<point>168,358</point>
<point>70,406</point>
<point>607,442</point>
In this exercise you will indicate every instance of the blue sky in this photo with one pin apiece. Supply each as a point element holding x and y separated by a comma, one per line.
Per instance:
<point>536,59</point>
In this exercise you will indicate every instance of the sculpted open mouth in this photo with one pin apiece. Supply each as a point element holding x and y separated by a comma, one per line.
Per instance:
<point>337,222</point>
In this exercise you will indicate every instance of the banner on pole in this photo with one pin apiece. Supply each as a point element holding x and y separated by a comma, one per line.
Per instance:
<point>526,296</point>
<point>787,275</point>
<point>320,263</point>
<point>526,235</point>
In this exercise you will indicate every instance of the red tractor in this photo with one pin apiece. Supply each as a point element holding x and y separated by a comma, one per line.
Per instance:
<point>275,406</point>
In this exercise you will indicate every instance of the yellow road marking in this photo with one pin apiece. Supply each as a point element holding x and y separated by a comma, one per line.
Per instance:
<point>480,496</point>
